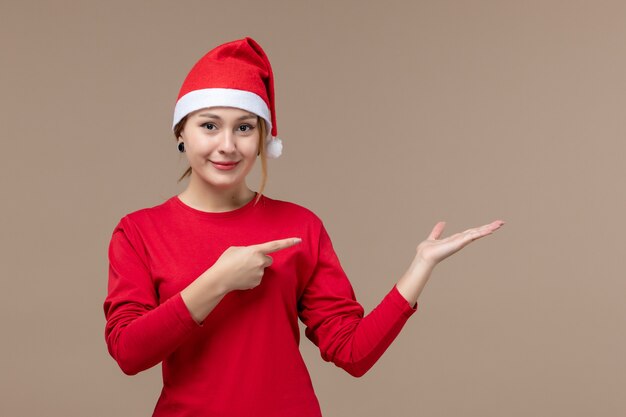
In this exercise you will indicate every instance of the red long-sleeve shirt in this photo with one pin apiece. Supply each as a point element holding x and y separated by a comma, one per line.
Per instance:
<point>244,358</point>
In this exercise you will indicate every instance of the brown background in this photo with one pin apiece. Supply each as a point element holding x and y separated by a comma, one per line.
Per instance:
<point>394,116</point>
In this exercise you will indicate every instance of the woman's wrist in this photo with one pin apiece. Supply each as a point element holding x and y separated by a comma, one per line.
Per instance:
<point>414,279</point>
<point>203,294</point>
<point>211,282</point>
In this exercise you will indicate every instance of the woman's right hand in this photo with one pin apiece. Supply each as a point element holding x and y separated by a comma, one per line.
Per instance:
<point>242,267</point>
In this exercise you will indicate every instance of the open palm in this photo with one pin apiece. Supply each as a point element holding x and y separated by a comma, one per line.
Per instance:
<point>434,250</point>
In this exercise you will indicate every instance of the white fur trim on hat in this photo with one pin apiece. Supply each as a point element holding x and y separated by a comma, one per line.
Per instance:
<point>228,97</point>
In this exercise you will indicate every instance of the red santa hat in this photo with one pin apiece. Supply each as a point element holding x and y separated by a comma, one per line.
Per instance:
<point>234,74</point>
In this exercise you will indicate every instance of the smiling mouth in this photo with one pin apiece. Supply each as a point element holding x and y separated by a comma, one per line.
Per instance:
<point>224,167</point>
<point>225,163</point>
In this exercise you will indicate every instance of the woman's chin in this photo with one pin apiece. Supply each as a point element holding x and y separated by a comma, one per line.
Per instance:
<point>222,185</point>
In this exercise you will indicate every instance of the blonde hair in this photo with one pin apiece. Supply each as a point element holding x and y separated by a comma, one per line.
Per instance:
<point>262,133</point>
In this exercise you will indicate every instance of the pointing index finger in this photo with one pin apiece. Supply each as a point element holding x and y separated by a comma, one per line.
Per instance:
<point>275,245</point>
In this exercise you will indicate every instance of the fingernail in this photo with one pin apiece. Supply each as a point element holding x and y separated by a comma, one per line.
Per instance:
<point>298,240</point>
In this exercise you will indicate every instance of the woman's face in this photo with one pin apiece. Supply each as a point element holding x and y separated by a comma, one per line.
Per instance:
<point>221,134</point>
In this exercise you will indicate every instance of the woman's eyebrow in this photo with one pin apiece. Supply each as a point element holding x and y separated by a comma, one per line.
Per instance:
<point>246,116</point>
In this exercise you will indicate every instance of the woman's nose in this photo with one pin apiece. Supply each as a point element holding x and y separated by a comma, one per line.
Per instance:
<point>227,142</point>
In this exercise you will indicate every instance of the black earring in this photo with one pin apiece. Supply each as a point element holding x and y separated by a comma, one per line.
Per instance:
<point>181,147</point>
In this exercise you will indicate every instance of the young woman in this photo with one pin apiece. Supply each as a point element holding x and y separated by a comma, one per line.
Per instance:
<point>211,283</point>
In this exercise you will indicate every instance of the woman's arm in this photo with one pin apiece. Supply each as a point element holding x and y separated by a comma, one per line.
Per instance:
<point>335,320</point>
<point>414,280</point>
<point>140,331</point>
<point>202,295</point>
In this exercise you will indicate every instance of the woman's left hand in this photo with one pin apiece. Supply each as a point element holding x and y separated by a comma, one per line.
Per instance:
<point>434,250</point>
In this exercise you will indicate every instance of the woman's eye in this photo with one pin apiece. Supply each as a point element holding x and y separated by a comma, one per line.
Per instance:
<point>209,126</point>
<point>245,128</point>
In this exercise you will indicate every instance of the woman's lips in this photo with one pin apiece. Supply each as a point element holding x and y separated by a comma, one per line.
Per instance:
<point>224,166</point>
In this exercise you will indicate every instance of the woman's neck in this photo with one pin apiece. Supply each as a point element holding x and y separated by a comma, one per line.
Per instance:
<point>204,197</point>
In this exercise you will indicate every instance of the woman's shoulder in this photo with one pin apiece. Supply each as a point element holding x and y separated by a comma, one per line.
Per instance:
<point>292,209</point>
<point>149,213</point>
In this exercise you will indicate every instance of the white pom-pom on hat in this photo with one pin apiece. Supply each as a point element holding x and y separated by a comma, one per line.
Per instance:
<point>274,147</point>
